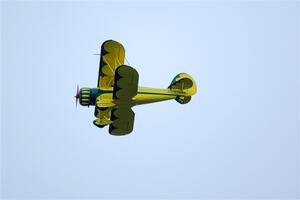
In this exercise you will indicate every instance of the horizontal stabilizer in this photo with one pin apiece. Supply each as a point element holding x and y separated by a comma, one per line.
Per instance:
<point>184,83</point>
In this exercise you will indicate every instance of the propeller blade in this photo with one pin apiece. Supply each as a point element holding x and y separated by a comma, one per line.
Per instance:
<point>77,95</point>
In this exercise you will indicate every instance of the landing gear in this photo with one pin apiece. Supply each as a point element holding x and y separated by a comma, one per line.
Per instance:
<point>101,122</point>
<point>99,126</point>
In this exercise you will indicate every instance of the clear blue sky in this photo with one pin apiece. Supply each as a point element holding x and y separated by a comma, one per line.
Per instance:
<point>237,138</point>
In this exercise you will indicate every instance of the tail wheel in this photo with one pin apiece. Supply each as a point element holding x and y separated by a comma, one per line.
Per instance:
<point>183,100</point>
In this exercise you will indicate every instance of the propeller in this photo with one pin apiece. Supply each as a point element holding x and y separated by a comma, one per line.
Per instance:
<point>77,95</point>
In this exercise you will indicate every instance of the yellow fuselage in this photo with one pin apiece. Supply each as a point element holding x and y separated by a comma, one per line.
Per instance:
<point>144,95</point>
<point>151,95</point>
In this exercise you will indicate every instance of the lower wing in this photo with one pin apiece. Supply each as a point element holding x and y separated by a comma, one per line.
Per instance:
<point>122,121</point>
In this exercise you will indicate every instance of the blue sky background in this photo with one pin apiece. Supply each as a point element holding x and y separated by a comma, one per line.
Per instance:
<point>237,138</point>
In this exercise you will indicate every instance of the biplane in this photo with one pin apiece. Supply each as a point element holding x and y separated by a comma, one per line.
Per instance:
<point>117,91</point>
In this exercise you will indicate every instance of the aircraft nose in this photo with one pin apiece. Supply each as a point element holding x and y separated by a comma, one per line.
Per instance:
<point>84,96</point>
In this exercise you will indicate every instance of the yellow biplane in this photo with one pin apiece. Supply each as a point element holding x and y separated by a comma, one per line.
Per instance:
<point>117,91</point>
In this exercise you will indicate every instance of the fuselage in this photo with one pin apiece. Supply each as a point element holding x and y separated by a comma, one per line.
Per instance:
<point>151,95</point>
<point>144,95</point>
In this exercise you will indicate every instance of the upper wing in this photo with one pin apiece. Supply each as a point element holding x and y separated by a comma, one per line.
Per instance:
<point>112,56</point>
<point>122,121</point>
<point>125,87</point>
<point>126,83</point>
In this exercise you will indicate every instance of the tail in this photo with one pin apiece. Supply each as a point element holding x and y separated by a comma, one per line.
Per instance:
<point>185,85</point>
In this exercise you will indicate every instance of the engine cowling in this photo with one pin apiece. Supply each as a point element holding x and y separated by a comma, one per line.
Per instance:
<point>85,96</point>
<point>88,96</point>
